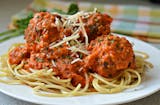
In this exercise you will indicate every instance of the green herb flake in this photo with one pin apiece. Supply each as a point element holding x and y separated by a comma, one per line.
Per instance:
<point>100,40</point>
<point>105,64</point>
<point>69,57</point>
<point>38,17</point>
<point>37,40</point>
<point>39,59</point>
<point>112,41</point>
<point>22,55</point>
<point>73,8</point>
<point>72,42</point>
<point>110,76</point>
<point>80,55</point>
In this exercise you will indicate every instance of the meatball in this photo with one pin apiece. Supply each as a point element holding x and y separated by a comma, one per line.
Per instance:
<point>42,28</point>
<point>110,55</point>
<point>97,24</point>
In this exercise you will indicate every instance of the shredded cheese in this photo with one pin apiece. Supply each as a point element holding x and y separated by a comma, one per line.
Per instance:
<point>76,60</point>
<point>58,23</point>
<point>80,69</point>
<point>84,31</point>
<point>65,39</point>
<point>53,63</point>
<point>75,49</point>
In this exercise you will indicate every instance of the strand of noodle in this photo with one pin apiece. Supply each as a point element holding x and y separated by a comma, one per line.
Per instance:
<point>67,84</point>
<point>44,89</point>
<point>138,79</point>
<point>148,64</point>
<point>104,90</point>
<point>31,83</point>
<point>25,76</point>
<point>36,88</point>
<point>106,86</point>
<point>49,83</point>
<point>144,55</point>
<point>15,82</point>
<point>43,81</point>
<point>22,71</point>
<point>73,92</point>
<point>10,68</point>
<point>122,83</point>
<point>49,94</point>
<point>46,70</point>
<point>128,78</point>
<point>86,85</point>
<point>125,76</point>
<point>114,78</point>
<point>57,87</point>
<point>104,81</point>
<point>35,74</point>
<point>60,80</point>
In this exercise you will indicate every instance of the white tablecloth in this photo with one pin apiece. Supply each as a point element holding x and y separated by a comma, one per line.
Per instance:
<point>9,7</point>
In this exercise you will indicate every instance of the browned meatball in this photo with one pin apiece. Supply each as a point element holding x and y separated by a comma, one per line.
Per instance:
<point>97,24</point>
<point>110,55</point>
<point>42,28</point>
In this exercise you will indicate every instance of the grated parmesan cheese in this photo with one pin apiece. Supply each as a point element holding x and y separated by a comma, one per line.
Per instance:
<point>53,63</point>
<point>84,31</point>
<point>76,60</point>
<point>65,39</point>
<point>58,23</point>
<point>75,49</point>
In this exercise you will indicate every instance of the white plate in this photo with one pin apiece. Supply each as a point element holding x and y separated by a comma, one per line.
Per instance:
<point>149,86</point>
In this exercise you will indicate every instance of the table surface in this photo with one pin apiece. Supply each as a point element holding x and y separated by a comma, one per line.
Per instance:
<point>10,7</point>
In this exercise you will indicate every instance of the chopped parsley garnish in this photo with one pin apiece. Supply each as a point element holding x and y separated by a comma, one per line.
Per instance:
<point>80,55</point>
<point>112,41</point>
<point>105,64</point>
<point>66,56</point>
<point>100,40</point>
<point>39,59</point>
